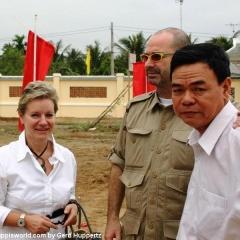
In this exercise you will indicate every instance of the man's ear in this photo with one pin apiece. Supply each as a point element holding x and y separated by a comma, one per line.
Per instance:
<point>227,87</point>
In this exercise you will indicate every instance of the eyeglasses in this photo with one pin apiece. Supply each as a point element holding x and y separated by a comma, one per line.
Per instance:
<point>155,57</point>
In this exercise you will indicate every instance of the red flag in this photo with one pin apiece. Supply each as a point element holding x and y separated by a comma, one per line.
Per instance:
<point>140,83</point>
<point>44,55</point>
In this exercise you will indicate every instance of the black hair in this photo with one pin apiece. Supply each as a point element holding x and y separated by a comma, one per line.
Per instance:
<point>214,56</point>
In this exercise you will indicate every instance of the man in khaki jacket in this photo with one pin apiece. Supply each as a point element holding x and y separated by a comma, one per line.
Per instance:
<point>151,163</point>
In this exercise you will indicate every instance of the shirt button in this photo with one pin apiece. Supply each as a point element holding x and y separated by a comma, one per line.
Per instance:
<point>158,151</point>
<point>163,127</point>
<point>150,225</point>
<point>154,174</point>
<point>151,200</point>
<point>133,140</point>
<point>129,183</point>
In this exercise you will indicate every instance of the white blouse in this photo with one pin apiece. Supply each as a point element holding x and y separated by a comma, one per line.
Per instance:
<point>25,187</point>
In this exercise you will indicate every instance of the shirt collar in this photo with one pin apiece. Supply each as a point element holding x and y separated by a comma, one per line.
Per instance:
<point>23,149</point>
<point>210,137</point>
<point>155,100</point>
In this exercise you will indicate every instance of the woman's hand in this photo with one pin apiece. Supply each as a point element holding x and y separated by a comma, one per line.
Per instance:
<point>39,224</point>
<point>72,211</point>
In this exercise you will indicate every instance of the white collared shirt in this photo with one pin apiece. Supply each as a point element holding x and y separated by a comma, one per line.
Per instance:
<point>25,187</point>
<point>212,208</point>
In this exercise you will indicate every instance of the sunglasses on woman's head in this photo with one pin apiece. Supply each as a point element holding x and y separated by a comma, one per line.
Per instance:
<point>155,57</point>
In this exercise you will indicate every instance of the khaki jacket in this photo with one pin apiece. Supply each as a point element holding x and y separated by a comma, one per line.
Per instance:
<point>157,164</point>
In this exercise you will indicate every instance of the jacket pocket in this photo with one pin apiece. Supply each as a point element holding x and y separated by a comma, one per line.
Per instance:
<point>137,144</point>
<point>133,190</point>
<point>182,156</point>
<point>131,225</point>
<point>176,191</point>
<point>170,229</point>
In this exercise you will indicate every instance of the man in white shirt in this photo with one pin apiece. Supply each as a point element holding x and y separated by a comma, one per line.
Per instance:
<point>201,86</point>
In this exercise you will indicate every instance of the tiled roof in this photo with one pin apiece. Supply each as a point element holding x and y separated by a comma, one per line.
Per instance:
<point>235,50</point>
<point>234,70</point>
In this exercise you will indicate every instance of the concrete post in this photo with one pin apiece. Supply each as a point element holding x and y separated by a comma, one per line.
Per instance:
<point>56,84</point>
<point>120,87</point>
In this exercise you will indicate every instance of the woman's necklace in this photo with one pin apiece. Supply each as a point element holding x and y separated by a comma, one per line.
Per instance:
<point>40,156</point>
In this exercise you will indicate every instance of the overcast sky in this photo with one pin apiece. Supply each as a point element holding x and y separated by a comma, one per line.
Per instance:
<point>81,22</point>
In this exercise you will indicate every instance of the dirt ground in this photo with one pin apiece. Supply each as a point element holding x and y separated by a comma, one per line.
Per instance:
<point>91,150</point>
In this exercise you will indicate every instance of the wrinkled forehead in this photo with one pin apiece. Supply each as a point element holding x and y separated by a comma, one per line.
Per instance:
<point>192,74</point>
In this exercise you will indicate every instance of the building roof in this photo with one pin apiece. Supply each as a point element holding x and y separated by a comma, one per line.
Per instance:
<point>234,56</point>
<point>235,72</point>
<point>235,50</point>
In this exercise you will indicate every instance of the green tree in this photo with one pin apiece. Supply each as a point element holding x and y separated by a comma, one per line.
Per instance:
<point>12,59</point>
<point>133,44</point>
<point>192,41</point>
<point>104,68</point>
<point>222,42</point>
<point>97,57</point>
<point>12,62</point>
<point>121,63</point>
<point>59,63</point>
<point>76,61</point>
<point>19,43</point>
<point>7,46</point>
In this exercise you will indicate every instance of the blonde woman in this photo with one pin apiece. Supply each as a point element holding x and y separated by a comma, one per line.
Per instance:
<point>37,175</point>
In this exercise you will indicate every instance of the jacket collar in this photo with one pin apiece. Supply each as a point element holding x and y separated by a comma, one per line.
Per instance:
<point>155,101</point>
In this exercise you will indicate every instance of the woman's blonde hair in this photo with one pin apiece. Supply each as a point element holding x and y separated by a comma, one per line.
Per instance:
<point>37,90</point>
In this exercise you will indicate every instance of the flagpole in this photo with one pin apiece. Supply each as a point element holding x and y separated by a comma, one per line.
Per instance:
<point>21,23</point>
<point>35,50</point>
